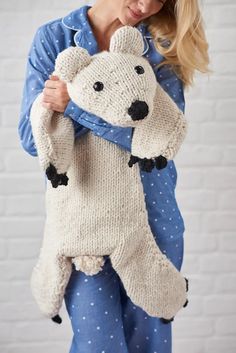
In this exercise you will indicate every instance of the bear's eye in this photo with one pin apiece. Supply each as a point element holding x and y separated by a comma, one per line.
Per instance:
<point>98,86</point>
<point>139,69</point>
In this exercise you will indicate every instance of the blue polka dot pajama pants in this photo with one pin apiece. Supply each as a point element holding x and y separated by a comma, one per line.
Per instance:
<point>103,318</point>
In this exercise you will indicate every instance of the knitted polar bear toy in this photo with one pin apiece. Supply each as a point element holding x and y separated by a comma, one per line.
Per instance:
<point>102,209</point>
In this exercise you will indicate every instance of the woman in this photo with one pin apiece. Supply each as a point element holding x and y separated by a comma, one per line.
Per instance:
<point>102,316</point>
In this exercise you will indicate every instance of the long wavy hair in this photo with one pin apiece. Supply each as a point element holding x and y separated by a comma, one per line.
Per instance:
<point>178,34</point>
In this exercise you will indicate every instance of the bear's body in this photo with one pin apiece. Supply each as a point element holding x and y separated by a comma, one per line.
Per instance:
<point>102,210</point>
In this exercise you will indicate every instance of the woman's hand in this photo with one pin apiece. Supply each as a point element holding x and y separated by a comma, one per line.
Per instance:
<point>55,95</point>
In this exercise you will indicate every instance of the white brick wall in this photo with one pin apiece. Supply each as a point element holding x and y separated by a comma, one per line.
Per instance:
<point>205,192</point>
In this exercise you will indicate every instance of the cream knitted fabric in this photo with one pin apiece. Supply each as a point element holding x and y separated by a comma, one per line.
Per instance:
<point>102,209</point>
<point>102,212</point>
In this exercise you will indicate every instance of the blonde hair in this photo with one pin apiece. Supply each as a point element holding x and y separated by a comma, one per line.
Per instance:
<point>180,25</point>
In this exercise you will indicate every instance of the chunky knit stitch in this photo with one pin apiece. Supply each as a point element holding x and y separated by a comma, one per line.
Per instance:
<point>102,209</point>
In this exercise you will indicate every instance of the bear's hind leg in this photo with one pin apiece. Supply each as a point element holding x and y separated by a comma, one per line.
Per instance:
<point>48,282</point>
<point>149,278</point>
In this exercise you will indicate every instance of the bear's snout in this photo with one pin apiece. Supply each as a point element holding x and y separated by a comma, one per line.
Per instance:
<point>138,110</point>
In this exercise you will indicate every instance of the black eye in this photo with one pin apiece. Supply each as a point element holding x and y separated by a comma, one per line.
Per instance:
<point>98,86</point>
<point>139,69</point>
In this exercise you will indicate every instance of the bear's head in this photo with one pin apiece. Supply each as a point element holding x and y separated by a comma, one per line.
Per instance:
<point>118,85</point>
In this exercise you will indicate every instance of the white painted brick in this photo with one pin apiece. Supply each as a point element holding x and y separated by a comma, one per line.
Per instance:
<point>9,138</point>
<point>43,330</point>
<point>23,249</point>
<point>221,40</point>
<point>224,63</point>
<point>71,4</point>
<point>193,221</point>
<point>190,265</point>
<point>218,179</point>
<point>201,284</point>
<point>10,92</point>
<point>20,291</point>
<point>9,51</point>
<point>194,133</point>
<point>217,263</point>
<point>195,200</point>
<point>225,283</point>
<point>6,329</point>
<point>229,157</point>
<point>225,110</point>
<point>227,200</point>
<point>2,166</point>
<point>2,205</point>
<point>193,94</point>
<point>21,184</point>
<point>13,70</point>
<point>196,243</point>
<point>194,307</point>
<point>4,292</point>
<point>20,311</point>
<point>25,205</point>
<point>199,111</point>
<point>219,345</point>
<point>10,116</point>
<point>13,17</point>
<point>16,269</point>
<point>219,87</point>
<point>3,249</point>
<point>194,327</point>
<point>189,178</point>
<point>218,132</point>
<point>14,5</point>
<point>220,16</point>
<point>188,345</point>
<point>225,326</point>
<point>19,161</point>
<point>21,227</point>
<point>218,305</point>
<point>227,242</point>
<point>218,221</point>
<point>201,155</point>
<point>37,347</point>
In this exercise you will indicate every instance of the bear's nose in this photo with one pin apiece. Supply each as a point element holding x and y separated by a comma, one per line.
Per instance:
<point>138,110</point>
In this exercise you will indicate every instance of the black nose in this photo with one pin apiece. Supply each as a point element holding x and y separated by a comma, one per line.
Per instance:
<point>138,110</point>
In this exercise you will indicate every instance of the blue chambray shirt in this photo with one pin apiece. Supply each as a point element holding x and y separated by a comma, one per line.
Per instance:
<point>164,215</point>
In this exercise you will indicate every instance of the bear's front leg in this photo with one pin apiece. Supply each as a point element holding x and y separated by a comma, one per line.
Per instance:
<point>54,140</point>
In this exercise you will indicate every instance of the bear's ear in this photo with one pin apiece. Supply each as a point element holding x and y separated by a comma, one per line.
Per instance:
<point>127,39</point>
<point>71,61</point>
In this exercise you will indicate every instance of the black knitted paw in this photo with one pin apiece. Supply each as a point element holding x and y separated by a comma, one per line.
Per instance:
<point>57,319</point>
<point>167,321</point>
<point>160,162</point>
<point>186,284</point>
<point>147,164</point>
<point>133,160</point>
<point>55,178</point>
<point>185,304</point>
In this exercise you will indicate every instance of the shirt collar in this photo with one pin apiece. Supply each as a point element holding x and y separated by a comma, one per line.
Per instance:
<point>78,21</point>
